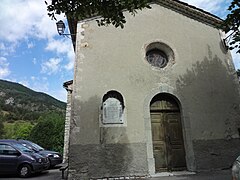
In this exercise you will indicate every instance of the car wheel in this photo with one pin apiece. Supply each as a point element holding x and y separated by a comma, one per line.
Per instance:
<point>24,170</point>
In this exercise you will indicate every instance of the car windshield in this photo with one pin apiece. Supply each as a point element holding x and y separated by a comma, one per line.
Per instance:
<point>22,148</point>
<point>39,148</point>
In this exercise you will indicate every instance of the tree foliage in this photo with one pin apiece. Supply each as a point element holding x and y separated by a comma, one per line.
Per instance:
<point>232,25</point>
<point>111,11</point>
<point>18,129</point>
<point>49,131</point>
<point>1,128</point>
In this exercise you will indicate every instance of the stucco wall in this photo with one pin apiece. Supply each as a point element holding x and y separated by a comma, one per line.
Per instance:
<point>201,77</point>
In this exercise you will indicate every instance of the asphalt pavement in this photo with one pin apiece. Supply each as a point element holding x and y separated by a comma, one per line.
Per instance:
<point>55,174</point>
<point>206,175</point>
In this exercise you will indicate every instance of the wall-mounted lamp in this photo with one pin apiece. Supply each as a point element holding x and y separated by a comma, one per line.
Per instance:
<point>61,28</point>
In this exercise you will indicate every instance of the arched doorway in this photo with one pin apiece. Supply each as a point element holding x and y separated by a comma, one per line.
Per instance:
<point>167,136</point>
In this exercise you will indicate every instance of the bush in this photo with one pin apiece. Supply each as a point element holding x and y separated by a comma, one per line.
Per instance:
<point>18,129</point>
<point>1,128</point>
<point>49,132</point>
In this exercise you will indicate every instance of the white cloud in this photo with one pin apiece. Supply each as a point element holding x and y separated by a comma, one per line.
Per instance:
<point>30,45</point>
<point>51,66</point>
<point>22,18</point>
<point>23,23</point>
<point>60,46</point>
<point>63,46</point>
<point>7,48</point>
<point>4,67</point>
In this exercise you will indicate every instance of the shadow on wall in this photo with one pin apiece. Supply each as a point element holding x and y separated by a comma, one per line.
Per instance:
<point>97,151</point>
<point>210,88</point>
<point>115,156</point>
<point>211,94</point>
<point>84,120</point>
<point>83,127</point>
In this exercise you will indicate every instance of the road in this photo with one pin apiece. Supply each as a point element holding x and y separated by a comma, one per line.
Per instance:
<point>209,175</point>
<point>55,174</point>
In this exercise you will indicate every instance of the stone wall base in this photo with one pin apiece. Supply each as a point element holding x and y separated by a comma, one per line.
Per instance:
<point>95,161</point>
<point>216,154</point>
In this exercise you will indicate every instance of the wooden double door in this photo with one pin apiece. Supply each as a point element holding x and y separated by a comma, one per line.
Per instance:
<point>167,137</point>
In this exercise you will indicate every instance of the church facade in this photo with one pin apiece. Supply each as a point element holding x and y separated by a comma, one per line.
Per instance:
<point>159,95</point>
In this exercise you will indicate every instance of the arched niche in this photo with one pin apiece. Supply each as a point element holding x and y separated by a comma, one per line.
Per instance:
<point>112,108</point>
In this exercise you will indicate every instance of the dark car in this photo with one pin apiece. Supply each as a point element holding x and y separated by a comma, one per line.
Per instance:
<point>15,158</point>
<point>54,158</point>
<point>236,169</point>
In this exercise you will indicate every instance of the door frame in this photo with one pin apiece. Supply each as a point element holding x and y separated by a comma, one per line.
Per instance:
<point>163,112</point>
<point>185,120</point>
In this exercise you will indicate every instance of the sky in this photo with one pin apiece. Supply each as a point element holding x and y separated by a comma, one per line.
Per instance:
<point>33,54</point>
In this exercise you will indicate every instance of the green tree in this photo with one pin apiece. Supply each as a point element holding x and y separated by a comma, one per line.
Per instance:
<point>232,25</point>
<point>49,131</point>
<point>22,130</point>
<point>111,11</point>
<point>1,128</point>
<point>18,129</point>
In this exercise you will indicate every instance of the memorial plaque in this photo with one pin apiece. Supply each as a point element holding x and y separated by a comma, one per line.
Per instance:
<point>112,111</point>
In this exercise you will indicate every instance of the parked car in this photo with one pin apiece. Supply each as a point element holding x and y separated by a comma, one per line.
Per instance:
<point>236,169</point>
<point>54,158</point>
<point>15,158</point>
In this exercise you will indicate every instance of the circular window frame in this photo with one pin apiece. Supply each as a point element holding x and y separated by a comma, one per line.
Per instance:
<point>157,58</point>
<point>163,49</point>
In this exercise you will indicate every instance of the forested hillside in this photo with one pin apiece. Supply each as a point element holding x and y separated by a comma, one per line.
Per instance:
<point>31,115</point>
<point>18,102</point>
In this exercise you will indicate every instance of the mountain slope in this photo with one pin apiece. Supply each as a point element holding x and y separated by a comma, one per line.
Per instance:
<point>18,102</point>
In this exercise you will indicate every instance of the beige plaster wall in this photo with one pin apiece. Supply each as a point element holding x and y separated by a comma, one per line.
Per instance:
<point>201,77</point>
<point>114,60</point>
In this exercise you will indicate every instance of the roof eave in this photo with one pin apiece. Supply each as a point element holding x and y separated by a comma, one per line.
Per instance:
<point>72,24</point>
<point>191,12</point>
<point>175,5</point>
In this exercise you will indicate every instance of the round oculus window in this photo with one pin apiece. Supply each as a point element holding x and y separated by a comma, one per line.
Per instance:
<point>157,58</point>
